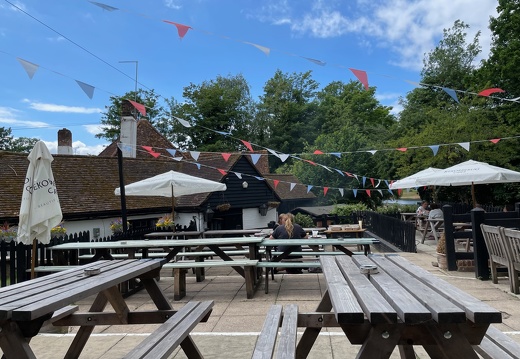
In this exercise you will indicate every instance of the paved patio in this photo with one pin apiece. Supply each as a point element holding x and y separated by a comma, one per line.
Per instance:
<point>233,327</point>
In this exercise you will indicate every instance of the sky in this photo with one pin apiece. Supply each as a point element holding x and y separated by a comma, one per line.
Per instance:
<point>77,49</point>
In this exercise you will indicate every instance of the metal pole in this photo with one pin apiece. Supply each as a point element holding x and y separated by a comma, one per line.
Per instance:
<point>122,188</point>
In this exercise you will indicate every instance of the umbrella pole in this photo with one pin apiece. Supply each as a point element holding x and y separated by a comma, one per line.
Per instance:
<point>473,195</point>
<point>33,258</point>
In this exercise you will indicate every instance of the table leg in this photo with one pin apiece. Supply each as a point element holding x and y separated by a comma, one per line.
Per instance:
<point>77,345</point>
<point>13,343</point>
<point>381,342</point>
<point>311,334</point>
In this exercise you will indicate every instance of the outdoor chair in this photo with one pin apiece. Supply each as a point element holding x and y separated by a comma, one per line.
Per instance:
<point>496,248</point>
<point>512,244</point>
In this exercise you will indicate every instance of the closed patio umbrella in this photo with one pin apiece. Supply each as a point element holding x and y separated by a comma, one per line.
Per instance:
<point>171,184</point>
<point>40,209</point>
<point>469,173</point>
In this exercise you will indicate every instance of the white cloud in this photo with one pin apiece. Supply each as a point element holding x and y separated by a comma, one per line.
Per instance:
<point>78,148</point>
<point>49,107</point>
<point>408,28</point>
<point>93,129</point>
<point>173,4</point>
<point>10,118</point>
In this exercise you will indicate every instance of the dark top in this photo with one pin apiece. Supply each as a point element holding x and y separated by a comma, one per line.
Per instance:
<point>281,233</point>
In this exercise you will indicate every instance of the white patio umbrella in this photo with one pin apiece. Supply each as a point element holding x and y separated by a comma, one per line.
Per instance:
<point>171,184</point>
<point>410,181</point>
<point>40,209</point>
<point>469,173</point>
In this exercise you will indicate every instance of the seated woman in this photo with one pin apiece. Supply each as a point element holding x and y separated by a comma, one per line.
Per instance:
<point>289,230</point>
<point>435,212</point>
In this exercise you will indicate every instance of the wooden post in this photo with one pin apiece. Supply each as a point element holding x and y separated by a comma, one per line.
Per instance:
<point>480,252</point>
<point>451,256</point>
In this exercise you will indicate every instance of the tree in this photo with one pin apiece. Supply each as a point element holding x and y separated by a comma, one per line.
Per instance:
<point>111,120</point>
<point>223,105</point>
<point>287,113</point>
<point>20,144</point>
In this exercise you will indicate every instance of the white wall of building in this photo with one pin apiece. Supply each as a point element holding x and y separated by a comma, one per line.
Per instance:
<point>251,218</point>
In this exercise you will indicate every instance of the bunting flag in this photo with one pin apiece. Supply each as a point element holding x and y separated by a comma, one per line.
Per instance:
<point>341,191</point>
<point>464,145</point>
<point>317,152</point>
<point>264,49</point>
<point>309,187</point>
<point>29,67</point>
<point>368,193</point>
<point>104,7</point>
<point>325,190</point>
<point>259,178</point>
<point>292,186</point>
<point>337,154</point>
<point>372,181</point>
<point>402,149</point>
<point>248,145</point>
<point>340,172</point>
<point>226,156</point>
<point>151,151</point>
<point>354,190</point>
<point>361,76</point>
<point>373,152</point>
<point>171,151</point>
<point>283,157</point>
<point>364,180</point>
<point>198,165</point>
<point>255,157</point>
<point>239,175</point>
<point>195,155</point>
<point>139,107</point>
<point>490,91</point>
<point>317,62</point>
<point>181,29</point>
<point>88,89</point>
<point>222,171</point>
<point>182,121</point>
<point>495,140</point>
<point>452,93</point>
<point>276,183</point>
<point>435,149</point>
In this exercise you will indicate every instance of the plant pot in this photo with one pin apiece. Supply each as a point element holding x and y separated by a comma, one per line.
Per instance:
<point>442,261</point>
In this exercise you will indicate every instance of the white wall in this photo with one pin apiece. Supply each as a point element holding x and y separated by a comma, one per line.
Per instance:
<point>252,219</point>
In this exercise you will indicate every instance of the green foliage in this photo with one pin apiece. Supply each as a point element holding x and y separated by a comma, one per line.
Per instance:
<point>346,210</point>
<point>304,220</point>
<point>10,143</point>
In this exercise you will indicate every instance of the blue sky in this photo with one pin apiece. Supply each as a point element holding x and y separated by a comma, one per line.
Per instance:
<point>76,40</point>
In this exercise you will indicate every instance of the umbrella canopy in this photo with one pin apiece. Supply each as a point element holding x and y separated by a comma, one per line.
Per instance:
<point>410,181</point>
<point>171,184</point>
<point>469,173</point>
<point>40,209</point>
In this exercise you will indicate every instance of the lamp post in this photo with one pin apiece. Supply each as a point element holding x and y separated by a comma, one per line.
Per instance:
<point>136,67</point>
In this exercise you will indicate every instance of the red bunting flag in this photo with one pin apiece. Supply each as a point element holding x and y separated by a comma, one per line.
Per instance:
<point>312,163</point>
<point>368,192</point>
<point>222,171</point>
<point>490,91</point>
<point>372,181</point>
<point>139,107</point>
<point>402,149</point>
<point>276,183</point>
<point>226,156</point>
<point>248,145</point>
<point>181,29</point>
<point>495,140</point>
<point>318,152</point>
<point>361,76</point>
<point>325,190</point>
<point>151,151</point>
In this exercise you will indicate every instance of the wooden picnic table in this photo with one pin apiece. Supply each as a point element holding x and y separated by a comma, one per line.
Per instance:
<point>401,305</point>
<point>358,232</point>
<point>26,306</point>
<point>231,232</point>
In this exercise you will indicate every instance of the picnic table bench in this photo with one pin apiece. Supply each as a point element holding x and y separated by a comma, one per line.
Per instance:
<point>381,302</point>
<point>25,307</point>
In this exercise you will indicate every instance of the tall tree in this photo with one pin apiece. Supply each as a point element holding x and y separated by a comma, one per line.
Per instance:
<point>287,112</point>
<point>20,144</point>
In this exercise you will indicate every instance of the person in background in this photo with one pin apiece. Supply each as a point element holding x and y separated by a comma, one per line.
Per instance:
<point>289,230</point>
<point>435,212</point>
<point>280,220</point>
<point>423,209</point>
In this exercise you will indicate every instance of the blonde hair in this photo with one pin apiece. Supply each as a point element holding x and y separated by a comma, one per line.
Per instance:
<point>289,226</point>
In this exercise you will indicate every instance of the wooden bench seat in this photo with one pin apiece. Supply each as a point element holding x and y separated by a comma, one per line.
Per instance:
<point>179,272</point>
<point>315,253</point>
<point>174,332</point>
<point>266,342</point>
<point>287,263</point>
<point>497,345</point>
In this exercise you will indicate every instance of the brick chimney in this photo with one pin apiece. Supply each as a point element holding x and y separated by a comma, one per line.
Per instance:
<point>65,142</point>
<point>128,135</point>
